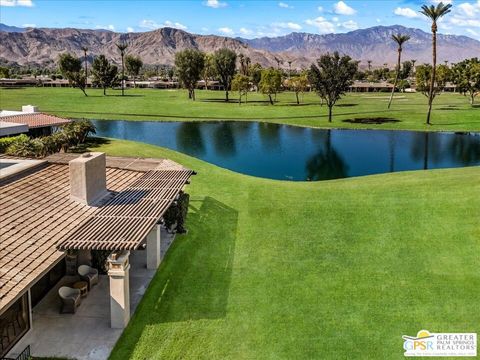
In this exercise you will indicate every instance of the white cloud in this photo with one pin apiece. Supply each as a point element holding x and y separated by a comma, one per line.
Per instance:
<point>379,20</point>
<point>105,27</point>
<point>439,1</point>
<point>406,12</point>
<point>29,25</point>
<point>245,31</point>
<point>471,10</point>
<point>130,29</point>
<point>350,25</point>
<point>465,14</point>
<point>465,22</point>
<point>285,5</point>
<point>149,24</point>
<point>288,25</point>
<point>152,25</point>
<point>226,30</point>
<point>215,4</point>
<point>320,8</point>
<point>323,25</point>
<point>10,3</point>
<point>335,19</point>
<point>175,25</point>
<point>342,8</point>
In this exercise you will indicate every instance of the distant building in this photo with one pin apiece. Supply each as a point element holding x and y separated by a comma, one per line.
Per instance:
<point>29,121</point>
<point>360,86</point>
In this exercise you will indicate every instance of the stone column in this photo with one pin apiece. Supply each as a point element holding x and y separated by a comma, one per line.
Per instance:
<point>153,247</point>
<point>118,272</point>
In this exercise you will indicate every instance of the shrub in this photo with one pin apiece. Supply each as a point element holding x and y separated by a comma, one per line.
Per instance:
<point>26,147</point>
<point>99,260</point>
<point>7,141</point>
<point>70,135</point>
<point>177,213</point>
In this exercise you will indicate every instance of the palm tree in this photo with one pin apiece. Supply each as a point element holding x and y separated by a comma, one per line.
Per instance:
<point>122,47</point>
<point>278,62</point>
<point>247,64</point>
<point>85,49</point>
<point>413,61</point>
<point>369,62</point>
<point>400,40</point>
<point>289,68</point>
<point>434,13</point>
<point>241,57</point>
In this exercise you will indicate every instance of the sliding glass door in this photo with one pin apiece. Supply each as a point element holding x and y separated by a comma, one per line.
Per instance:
<point>14,323</point>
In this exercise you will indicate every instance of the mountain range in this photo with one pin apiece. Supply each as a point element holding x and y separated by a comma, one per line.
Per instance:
<point>42,46</point>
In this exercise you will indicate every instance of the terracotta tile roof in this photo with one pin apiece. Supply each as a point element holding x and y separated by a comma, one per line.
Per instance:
<point>36,120</point>
<point>37,215</point>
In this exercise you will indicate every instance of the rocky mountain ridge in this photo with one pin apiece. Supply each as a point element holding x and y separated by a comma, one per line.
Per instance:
<point>42,46</point>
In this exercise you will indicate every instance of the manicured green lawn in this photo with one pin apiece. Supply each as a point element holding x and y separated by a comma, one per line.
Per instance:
<point>451,111</point>
<point>327,270</point>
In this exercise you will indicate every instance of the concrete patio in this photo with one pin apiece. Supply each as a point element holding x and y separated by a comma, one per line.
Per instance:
<point>87,333</point>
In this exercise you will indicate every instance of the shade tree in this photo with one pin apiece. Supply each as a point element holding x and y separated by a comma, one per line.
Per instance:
<point>331,77</point>
<point>71,68</point>
<point>104,74</point>
<point>189,65</point>
<point>225,65</point>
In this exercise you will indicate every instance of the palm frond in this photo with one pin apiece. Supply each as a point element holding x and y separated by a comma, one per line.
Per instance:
<point>400,39</point>
<point>435,12</point>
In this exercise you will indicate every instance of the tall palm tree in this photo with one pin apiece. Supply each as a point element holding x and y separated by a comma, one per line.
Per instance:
<point>241,57</point>
<point>413,61</point>
<point>369,65</point>
<point>278,62</point>
<point>434,13</point>
<point>85,49</point>
<point>289,68</point>
<point>122,47</point>
<point>247,63</point>
<point>400,40</point>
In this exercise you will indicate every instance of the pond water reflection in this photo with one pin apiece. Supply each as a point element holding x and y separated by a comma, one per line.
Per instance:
<point>295,153</point>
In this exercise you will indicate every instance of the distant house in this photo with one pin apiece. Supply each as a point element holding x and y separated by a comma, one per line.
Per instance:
<point>29,121</point>
<point>361,86</point>
<point>55,213</point>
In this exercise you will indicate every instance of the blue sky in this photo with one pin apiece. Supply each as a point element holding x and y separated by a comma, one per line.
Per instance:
<point>245,18</point>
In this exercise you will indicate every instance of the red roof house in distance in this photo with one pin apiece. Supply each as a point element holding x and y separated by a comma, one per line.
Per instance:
<point>34,123</point>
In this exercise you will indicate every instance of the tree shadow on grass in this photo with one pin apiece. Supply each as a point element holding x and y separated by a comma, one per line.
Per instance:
<point>13,87</point>
<point>91,143</point>
<point>346,105</point>
<point>193,281</point>
<point>126,95</point>
<point>371,120</point>
<point>198,286</point>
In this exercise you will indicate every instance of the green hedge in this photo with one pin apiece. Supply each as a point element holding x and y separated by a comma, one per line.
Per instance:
<point>7,141</point>
<point>177,212</point>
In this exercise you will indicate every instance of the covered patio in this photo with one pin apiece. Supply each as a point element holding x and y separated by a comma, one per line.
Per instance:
<point>87,334</point>
<point>83,209</point>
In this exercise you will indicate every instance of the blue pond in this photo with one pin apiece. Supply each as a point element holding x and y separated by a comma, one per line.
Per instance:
<point>295,153</point>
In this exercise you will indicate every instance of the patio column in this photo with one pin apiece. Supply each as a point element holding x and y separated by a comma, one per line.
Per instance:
<point>118,272</point>
<point>154,247</point>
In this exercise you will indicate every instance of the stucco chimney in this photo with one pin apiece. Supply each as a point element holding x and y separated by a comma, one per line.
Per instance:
<point>88,180</point>
<point>29,109</point>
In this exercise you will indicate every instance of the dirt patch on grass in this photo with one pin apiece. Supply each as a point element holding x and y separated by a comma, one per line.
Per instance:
<point>369,120</point>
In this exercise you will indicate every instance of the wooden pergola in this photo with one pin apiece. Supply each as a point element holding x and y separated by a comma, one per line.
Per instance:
<point>124,221</point>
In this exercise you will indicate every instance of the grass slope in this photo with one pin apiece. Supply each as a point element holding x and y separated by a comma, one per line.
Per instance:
<point>333,270</point>
<point>451,111</point>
